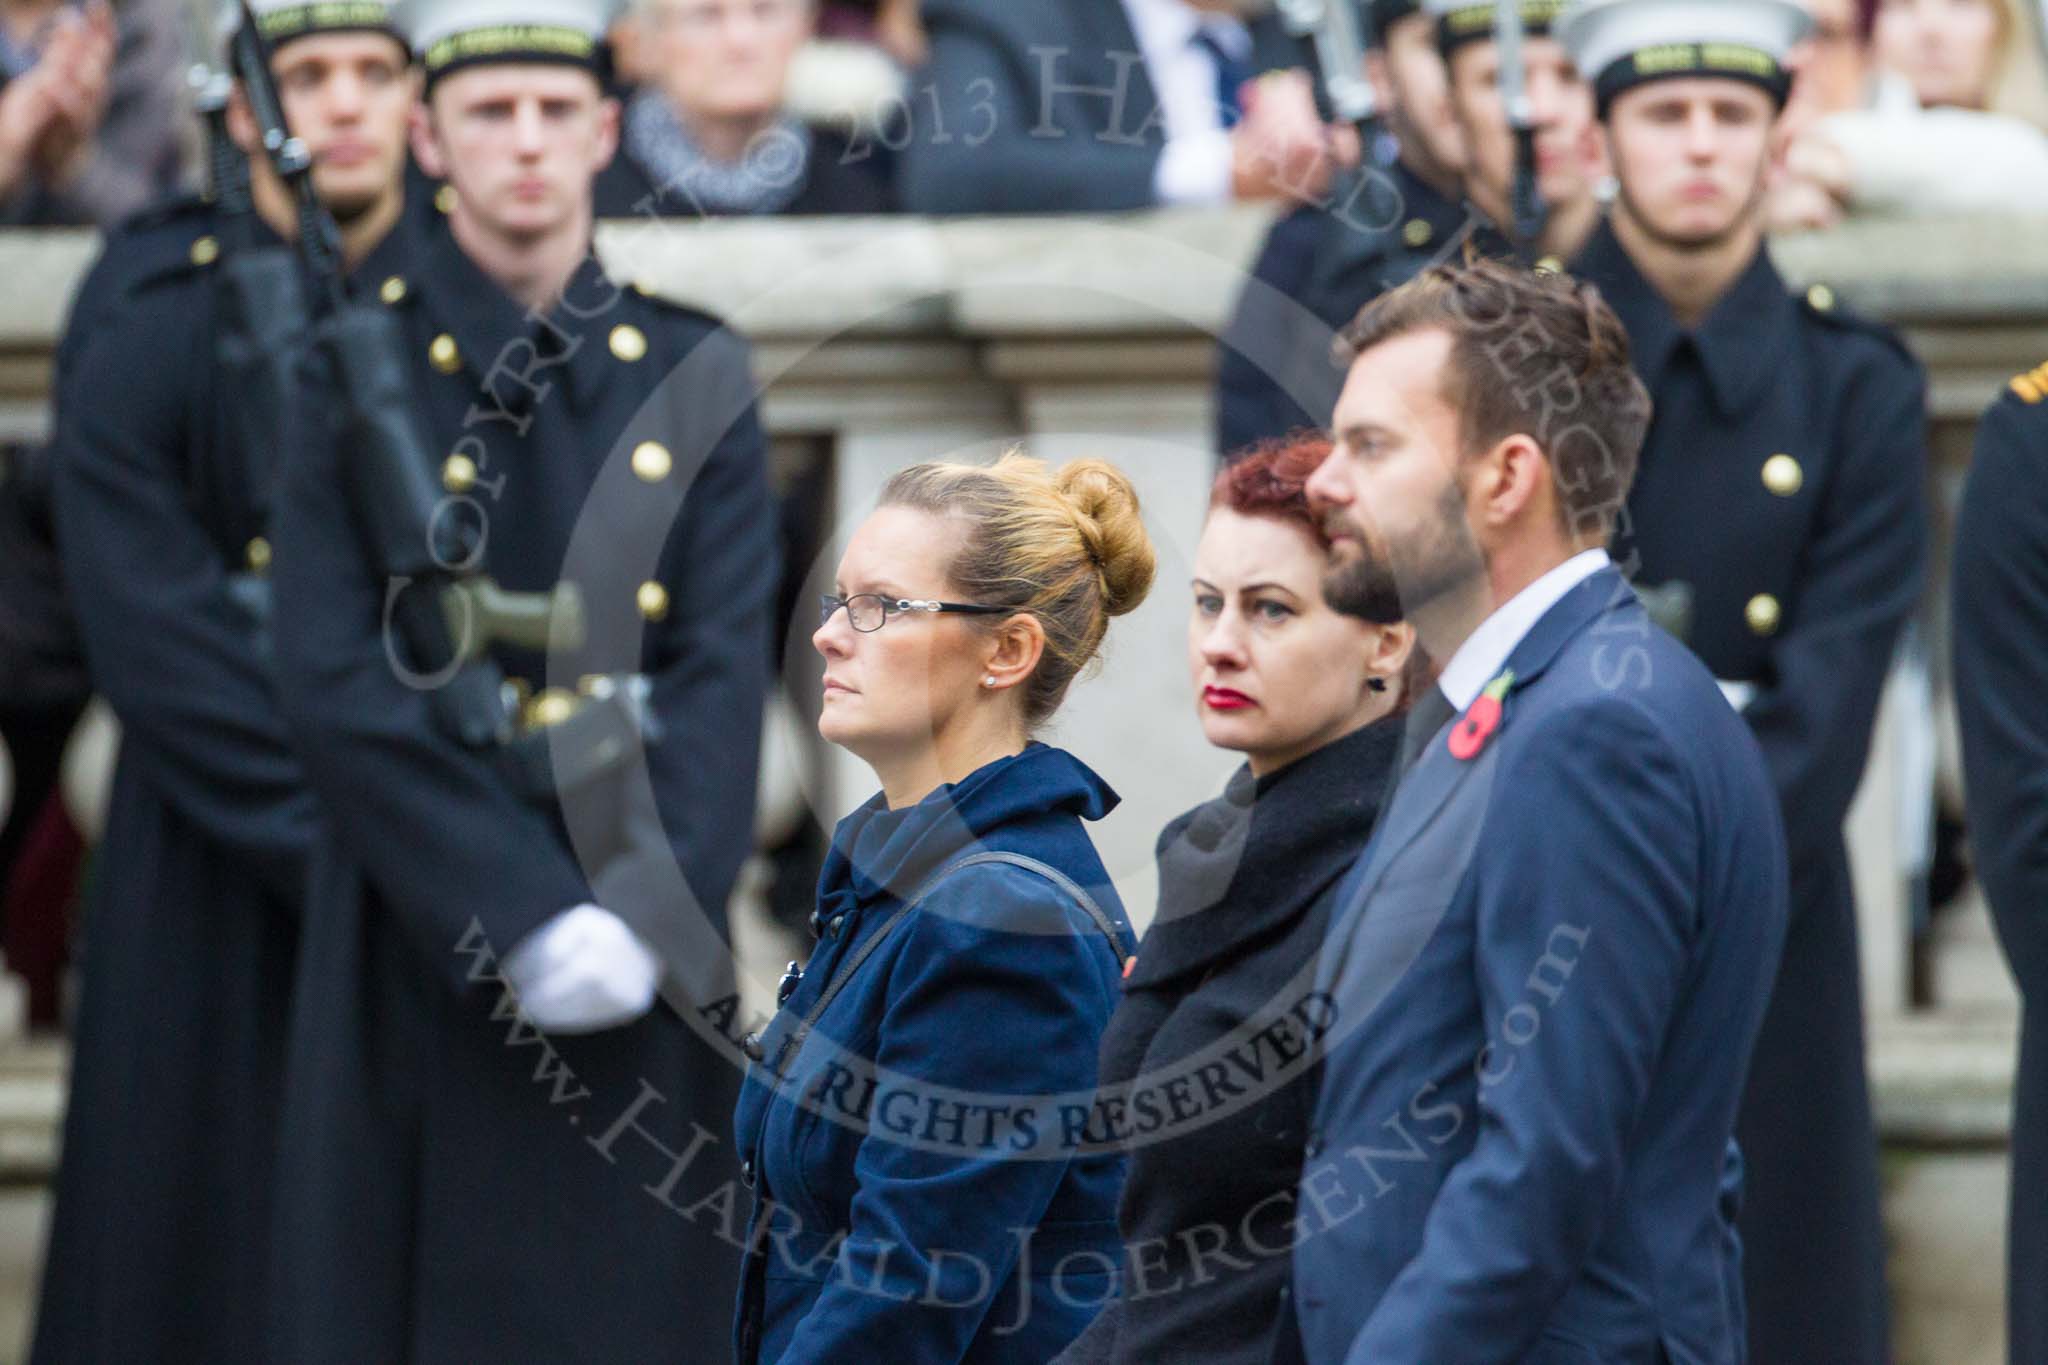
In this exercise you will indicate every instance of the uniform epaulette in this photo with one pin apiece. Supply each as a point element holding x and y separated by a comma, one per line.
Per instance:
<point>197,256</point>
<point>652,294</point>
<point>165,212</point>
<point>1820,302</point>
<point>2031,387</point>
<point>696,322</point>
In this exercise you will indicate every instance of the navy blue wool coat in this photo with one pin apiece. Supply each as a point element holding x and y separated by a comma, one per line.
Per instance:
<point>924,1186</point>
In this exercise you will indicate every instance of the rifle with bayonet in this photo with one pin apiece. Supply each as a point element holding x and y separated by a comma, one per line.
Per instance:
<point>1527,212</point>
<point>1331,30</point>
<point>1334,37</point>
<point>209,85</point>
<point>442,614</point>
<point>259,312</point>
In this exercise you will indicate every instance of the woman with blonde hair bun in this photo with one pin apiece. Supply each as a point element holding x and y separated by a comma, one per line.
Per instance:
<point>920,1193</point>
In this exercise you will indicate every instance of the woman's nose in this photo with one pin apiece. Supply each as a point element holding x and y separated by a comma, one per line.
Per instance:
<point>827,638</point>
<point>1224,642</point>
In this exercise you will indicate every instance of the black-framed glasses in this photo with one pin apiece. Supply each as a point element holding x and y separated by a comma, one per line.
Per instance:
<point>868,611</point>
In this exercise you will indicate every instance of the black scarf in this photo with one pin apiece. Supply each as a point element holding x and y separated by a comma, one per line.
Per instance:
<point>1264,850</point>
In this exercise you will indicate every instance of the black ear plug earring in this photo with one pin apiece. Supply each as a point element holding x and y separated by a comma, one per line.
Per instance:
<point>1376,684</point>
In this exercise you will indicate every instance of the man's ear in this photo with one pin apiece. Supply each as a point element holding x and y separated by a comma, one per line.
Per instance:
<point>1510,480</point>
<point>426,148</point>
<point>241,121</point>
<point>607,133</point>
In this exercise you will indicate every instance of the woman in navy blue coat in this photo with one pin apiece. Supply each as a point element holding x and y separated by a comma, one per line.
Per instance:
<point>914,1122</point>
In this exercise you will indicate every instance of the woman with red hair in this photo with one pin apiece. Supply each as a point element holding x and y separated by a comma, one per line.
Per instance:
<point>1208,1063</point>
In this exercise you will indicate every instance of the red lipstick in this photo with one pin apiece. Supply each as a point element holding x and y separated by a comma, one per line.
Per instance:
<point>1224,699</point>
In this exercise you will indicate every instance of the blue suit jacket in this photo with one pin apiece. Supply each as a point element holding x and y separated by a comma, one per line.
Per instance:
<point>1549,968</point>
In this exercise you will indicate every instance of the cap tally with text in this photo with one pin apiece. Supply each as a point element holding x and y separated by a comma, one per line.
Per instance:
<point>450,34</point>
<point>1620,44</point>
<point>1459,22</point>
<point>280,21</point>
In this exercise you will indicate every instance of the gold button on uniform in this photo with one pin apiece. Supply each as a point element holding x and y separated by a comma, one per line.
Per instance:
<point>1763,614</point>
<point>1783,476</point>
<point>1821,297</point>
<point>443,354</point>
<point>628,341</point>
<point>652,599</point>
<point>551,707</point>
<point>392,290</point>
<point>205,251</point>
<point>458,473</point>
<point>652,462</point>
<point>258,555</point>
<point>1416,232</point>
<point>444,199</point>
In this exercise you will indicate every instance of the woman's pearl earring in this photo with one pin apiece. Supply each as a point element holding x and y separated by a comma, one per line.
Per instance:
<point>989,681</point>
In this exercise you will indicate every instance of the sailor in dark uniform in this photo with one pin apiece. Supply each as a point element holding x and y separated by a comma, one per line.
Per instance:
<point>158,1239</point>
<point>1321,266</point>
<point>1393,214</point>
<point>2001,657</point>
<point>500,1144</point>
<point>1778,523</point>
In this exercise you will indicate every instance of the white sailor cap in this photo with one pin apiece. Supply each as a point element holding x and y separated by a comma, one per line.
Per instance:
<point>280,21</point>
<point>1469,21</point>
<point>1620,44</point>
<point>449,34</point>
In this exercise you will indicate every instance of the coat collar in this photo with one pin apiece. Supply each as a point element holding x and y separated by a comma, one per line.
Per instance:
<point>1246,864</point>
<point>496,338</point>
<point>879,854</point>
<point>1740,343</point>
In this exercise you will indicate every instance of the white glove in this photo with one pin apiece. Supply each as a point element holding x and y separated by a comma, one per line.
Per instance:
<point>582,971</point>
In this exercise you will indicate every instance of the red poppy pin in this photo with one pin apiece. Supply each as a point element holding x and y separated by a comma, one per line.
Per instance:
<point>1481,719</point>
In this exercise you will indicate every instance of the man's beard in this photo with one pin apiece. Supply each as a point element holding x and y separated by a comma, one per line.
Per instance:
<point>1385,586</point>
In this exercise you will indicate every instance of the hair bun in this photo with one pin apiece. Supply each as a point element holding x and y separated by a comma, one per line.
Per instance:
<point>1105,507</point>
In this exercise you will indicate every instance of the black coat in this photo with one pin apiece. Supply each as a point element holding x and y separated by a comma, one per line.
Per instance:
<point>41,658</point>
<point>1784,480</point>
<point>1318,267</point>
<point>843,177</point>
<point>1245,884</point>
<point>458,1187</point>
<point>2001,656</point>
<point>163,1197</point>
<point>1040,108</point>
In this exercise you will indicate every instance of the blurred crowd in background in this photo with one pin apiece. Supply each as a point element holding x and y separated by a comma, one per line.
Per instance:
<point>1902,106</point>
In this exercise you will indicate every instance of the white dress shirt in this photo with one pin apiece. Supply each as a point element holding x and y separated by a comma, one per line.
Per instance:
<point>1195,168</point>
<point>1485,652</point>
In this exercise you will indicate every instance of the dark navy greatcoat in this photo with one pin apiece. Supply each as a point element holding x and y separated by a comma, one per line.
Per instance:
<point>895,1219</point>
<point>1274,370</point>
<point>1784,480</point>
<point>1547,970</point>
<point>2001,656</point>
<point>158,1237</point>
<point>457,1187</point>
